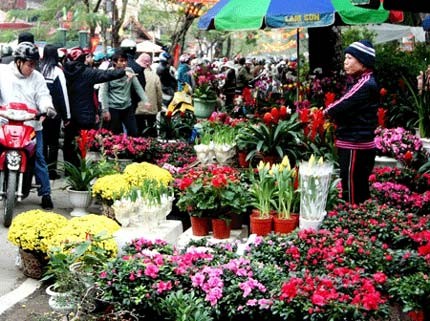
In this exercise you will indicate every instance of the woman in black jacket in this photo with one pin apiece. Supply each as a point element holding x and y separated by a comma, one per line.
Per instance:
<point>56,82</point>
<point>355,115</point>
<point>81,79</point>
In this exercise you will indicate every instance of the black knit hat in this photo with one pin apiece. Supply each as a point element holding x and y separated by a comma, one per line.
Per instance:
<point>363,51</point>
<point>25,37</point>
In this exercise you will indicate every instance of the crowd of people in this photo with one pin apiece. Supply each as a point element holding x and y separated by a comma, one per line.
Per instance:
<point>118,90</point>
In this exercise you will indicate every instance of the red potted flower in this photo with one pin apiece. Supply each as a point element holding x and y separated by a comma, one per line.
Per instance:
<point>211,192</point>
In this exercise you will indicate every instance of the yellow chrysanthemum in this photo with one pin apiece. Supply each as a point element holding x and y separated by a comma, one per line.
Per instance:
<point>136,173</point>
<point>111,187</point>
<point>79,228</point>
<point>33,230</point>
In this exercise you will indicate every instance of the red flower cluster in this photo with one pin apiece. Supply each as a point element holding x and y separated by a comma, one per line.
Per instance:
<point>341,286</point>
<point>313,122</point>
<point>275,115</point>
<point>210,189</point>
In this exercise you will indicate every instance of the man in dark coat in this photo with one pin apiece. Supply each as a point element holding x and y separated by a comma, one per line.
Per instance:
<point>168,81</point>
<point>80,80</point>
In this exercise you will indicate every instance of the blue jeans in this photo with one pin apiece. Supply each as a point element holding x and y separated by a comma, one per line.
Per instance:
<point>41,168</point>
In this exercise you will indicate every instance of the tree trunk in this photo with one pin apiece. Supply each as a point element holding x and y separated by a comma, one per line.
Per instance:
<point>325,49</point>
<point>179,36</point>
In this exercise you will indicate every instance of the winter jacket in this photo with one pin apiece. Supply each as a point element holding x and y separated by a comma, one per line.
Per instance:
<point>244,76</point>
<point>168,82</point>
<point>80,85</point>
<point>56,82</point>
<point>138,70</point>
<point>116,94</point>
<point>153,92</point>
<point>31,90</point>
<point>229,87</point>
<point>355,113</point>
<point>183,75</point>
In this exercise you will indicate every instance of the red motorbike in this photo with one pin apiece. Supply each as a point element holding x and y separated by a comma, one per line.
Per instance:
<point>17,154</point>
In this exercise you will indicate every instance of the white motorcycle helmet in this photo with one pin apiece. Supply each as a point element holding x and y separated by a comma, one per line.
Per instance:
<point>128,45</point>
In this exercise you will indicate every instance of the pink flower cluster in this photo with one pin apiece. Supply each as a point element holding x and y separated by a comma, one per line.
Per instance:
<point>398,143</point>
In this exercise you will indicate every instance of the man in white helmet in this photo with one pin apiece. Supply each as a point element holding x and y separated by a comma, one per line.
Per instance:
<point>21,83</point>
<point>129,47</point>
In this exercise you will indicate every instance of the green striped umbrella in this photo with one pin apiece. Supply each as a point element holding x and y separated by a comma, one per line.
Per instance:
<point>231,15</point>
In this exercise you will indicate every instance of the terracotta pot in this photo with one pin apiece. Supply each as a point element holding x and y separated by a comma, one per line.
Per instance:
<point>241,159</point>
<point>285,226</point>
<point>260,226</point>
<point>200,225</point>
<point>220,228</point>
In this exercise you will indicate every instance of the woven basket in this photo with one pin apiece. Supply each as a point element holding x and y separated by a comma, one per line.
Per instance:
<point>32,264</point>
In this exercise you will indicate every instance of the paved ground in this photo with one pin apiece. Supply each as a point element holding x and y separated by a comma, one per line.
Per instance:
<point>20,298</point>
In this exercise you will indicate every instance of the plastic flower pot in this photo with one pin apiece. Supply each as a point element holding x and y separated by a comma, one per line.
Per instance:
<point>221,228</point>
<point>203,108</point>
<point>285,226</point>
<point>199,225</point>
<point>260,225</point>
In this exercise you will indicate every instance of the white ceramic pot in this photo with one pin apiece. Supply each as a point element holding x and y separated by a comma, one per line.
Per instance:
<point>80,201</point>
<point>61,302</point>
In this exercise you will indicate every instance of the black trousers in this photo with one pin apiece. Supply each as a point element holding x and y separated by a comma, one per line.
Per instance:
<point>355,168</point>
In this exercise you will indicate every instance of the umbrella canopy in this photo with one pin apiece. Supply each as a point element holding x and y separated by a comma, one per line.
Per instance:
<point>231,15</point>
<point>148,46</point>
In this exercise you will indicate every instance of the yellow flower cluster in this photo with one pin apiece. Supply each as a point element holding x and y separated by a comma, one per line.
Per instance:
<point>79,228</point>
<point>111,187</point>
<point>137,173</point>
<point>33,230</point>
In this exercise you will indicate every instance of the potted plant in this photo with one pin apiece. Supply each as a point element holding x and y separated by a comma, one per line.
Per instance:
<point>78,184</point>
<point>32,231</point>
<point>271,139</point>
<point>79,178</point>
<point>63,292</point>
<point>400,145</point>
<point>205,147</point>
<point>224,139</point>
<point>285,196</point>
<point>211,192</point>
<point>176,126</point>
<point>84,228</point>
<point>261,192</point>
<point>204,95</point>
<point>109,188</point>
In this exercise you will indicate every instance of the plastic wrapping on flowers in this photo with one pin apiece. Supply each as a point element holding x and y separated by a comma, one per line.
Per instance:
<point>314,185</point>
